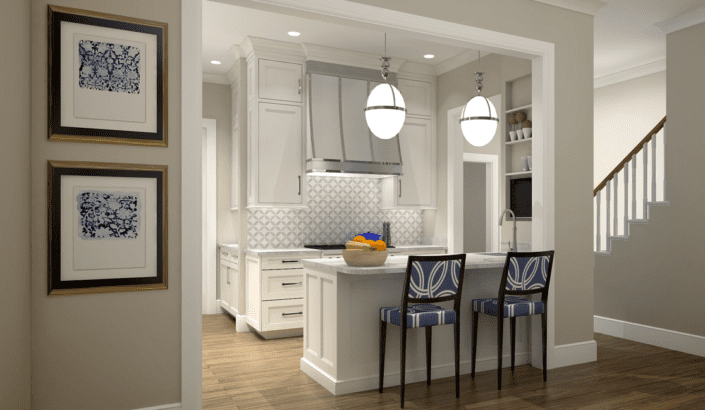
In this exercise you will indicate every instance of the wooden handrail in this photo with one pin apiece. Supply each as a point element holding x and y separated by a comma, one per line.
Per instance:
<point>629,156</point>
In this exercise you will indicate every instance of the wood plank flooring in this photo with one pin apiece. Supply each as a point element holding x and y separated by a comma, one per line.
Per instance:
<point>242,371</point>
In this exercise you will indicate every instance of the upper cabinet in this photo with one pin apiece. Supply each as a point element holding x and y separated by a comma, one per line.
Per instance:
<point>418,96</point>
<point>280,81</point>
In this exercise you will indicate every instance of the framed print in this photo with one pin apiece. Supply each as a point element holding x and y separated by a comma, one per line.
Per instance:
<point>107,78</point>
<point>107,227</point>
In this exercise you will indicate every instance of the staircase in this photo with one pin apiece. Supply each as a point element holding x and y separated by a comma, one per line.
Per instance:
<point>625,196</point>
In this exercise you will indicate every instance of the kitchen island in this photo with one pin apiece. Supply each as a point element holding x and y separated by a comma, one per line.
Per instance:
<point>342,325</point>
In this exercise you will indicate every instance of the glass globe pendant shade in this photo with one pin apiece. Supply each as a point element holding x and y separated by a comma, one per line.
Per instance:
<point>385,111</point>
<point>479,121</point>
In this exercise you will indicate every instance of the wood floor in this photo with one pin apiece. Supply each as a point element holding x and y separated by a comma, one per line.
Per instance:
<point>242,371</point>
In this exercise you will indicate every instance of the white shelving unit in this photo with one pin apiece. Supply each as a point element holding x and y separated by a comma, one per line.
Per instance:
<point>518,92</point>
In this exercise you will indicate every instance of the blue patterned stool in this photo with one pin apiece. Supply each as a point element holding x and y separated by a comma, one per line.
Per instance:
<point>525,273</point>
<point>429,279</point>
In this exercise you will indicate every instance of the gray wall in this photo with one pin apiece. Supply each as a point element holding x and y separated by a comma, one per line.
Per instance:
<point>114,350</point>
<point>217,103</point>
<point>655,278</point>
<point>474,207</point>
<point>15,339</point>
<point>572,34</point>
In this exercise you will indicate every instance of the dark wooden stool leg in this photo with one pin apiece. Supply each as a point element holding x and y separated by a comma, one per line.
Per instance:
<point>513,331</point>
<point>429,330</point>
<point>475,317</point>
<point>544,337</point>
<point>457,355</point>
<point>500,337</point>
<point>382,345</point>
<point>403,363</point>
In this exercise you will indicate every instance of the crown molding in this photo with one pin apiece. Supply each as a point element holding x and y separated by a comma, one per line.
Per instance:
<point>215,79</point>
<point>686,20</point>
<point>459,60</point>
<point>350,58</point>
<point>590,7</point>
<point>236,51</point>
<point>631,73</point>
<point>417,70</point>
<point>263,46</point>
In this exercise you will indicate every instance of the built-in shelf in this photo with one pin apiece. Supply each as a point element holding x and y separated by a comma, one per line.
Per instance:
<point>517,141</point>
<point>526,107</point>
<point>518,174</point>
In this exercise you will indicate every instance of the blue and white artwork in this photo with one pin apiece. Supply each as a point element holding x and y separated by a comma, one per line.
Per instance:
<point>108,67</point>
<point>108,215</point>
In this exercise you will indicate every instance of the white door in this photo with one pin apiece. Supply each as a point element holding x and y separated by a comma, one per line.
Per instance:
<point>416,144</point>
<point>280,81</point>
<point>280,154</point>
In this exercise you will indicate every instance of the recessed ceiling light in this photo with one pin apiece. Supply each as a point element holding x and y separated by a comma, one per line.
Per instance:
<point>294,33</point>
<point>428,56</point>
<point>216,62</point>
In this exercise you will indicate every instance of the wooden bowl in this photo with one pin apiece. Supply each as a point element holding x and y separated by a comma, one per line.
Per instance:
<point>362,258</point>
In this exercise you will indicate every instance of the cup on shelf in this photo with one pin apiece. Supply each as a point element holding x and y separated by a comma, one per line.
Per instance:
<point>528,160</point>
<point>513,135</point>
<point>524,164</point>
<point>520,135</point>
<point>527,132</point>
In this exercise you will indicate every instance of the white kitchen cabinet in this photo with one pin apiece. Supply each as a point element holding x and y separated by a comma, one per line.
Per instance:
<point>229,272</point>
<point>418,97</point>
<point>279,80</point>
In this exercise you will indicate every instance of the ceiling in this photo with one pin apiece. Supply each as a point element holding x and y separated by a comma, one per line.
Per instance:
<point>225,25</point>
<point>626,35</point>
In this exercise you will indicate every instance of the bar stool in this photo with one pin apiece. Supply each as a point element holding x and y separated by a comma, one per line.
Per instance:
<point>429,279</point>
<point>525,273</point>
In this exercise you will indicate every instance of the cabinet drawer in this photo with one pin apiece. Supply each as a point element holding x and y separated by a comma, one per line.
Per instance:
<point>282,314</point>
<point>282,284</point>
<point>282,263</point>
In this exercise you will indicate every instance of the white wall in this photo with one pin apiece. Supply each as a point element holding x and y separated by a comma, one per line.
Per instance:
<point>624,113</point>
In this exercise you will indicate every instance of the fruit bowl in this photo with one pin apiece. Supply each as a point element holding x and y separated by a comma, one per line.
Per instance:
<point>364,258</point>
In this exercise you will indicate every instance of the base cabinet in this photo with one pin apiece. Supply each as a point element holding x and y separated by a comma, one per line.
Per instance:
<point>229,273</point>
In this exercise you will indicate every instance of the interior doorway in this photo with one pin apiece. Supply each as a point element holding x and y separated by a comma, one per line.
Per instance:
<point>209,226</point>
<point>475,208</point>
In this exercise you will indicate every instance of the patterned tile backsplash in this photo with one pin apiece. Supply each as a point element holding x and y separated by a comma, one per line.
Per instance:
<point>339,208</point>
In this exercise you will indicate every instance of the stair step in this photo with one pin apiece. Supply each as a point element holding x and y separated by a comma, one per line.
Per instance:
<point>658,203</point>
<point>619,237</point>
<point>638,221</point>
<point>603,253</point>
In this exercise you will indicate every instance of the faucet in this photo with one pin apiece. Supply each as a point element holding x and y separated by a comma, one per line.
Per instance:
<point>514,218</point>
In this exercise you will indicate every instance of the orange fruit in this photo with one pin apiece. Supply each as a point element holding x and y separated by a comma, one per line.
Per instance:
<point>359,238</point>
<point>379,245</point>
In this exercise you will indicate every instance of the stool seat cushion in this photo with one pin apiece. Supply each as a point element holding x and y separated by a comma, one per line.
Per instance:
<point>513,306</point>
<point>418,315</point>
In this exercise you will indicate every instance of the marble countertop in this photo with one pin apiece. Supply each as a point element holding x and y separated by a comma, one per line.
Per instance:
<point>396,264</point>
<point>411,248</point>
<point>303,252</point>
<point>229,246</point>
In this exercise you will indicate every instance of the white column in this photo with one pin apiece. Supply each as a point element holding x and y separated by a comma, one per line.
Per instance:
<point>616,203</point>
<point>607,220</point>
<point>646,176</point>
<point>653,168</point>
<point>633,162</point>
<point>597,221</point>
<point>664,162</point>
<point>626,199</point>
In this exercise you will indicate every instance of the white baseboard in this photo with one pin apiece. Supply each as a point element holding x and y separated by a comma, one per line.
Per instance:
<point>574,353</point>
<point>241,324</point>
<point>668,339</point>
<point>175,406</point>
<point>391,376</point>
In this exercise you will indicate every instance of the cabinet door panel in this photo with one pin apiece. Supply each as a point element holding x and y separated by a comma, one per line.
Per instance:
<point>417,97</point>
<point>280,81</point>
<point>355,131</point>
<point>279,154</point>
<point>225,291</point>
<point>416,142</point>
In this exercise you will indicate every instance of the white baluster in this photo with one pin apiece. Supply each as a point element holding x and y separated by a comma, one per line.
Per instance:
<point>597,222</point>
<point>646,175</point>
<point>653,168</point>
<point>626,199</point>
<point>607,220</point>
<point>664,162</point>
<point>633,161</point>
<point>616,203</point>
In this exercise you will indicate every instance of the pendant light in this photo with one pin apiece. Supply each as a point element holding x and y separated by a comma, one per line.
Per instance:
<point>479,118</point>
<point>385,111</point>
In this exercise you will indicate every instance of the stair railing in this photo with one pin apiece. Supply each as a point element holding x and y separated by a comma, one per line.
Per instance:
<point>640,192</point>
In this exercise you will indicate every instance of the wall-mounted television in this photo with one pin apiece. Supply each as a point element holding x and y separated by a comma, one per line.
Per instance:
<point>520,197</point>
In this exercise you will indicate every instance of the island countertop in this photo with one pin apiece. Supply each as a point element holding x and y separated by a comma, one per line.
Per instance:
<point>396,264</point>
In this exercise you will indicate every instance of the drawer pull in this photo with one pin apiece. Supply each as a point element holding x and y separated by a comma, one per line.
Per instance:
<point>292,314</point>
<point>292,283</point>
<point>290,261</point>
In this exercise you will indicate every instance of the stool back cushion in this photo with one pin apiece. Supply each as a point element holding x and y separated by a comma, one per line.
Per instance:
<point>527,273</point>
<point>434,279</point>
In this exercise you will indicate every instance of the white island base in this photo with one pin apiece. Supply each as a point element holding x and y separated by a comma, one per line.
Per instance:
<point>342,325</point>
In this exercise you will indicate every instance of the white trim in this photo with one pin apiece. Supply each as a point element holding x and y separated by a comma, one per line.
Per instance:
<point>215,79</point>
<point>241,321</point>
<point>631,73</point>
<point>209,212</point>
<point>491,194</point>
<point>175,406</point>
<point>347,57</point>
<point>654,336</point>
<point>543,59</point>
<point>574,353</point>
<point>460,60</point>
<point>391,375</point>
<point>590,7</point>
<point>191,191</point>
<point>686,20</point>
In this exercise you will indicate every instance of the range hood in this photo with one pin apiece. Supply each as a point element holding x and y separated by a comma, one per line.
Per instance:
<point>339,141</point>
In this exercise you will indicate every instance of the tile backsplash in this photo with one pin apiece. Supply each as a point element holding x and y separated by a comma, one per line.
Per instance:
<point>339,208</point>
